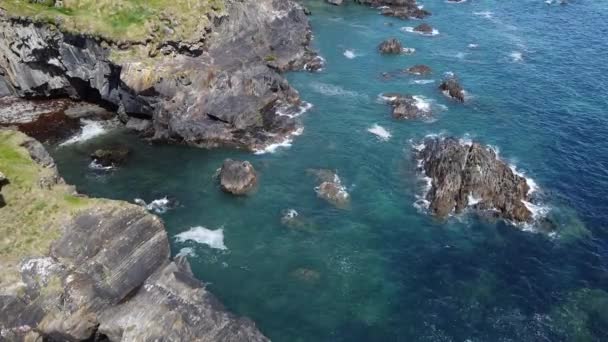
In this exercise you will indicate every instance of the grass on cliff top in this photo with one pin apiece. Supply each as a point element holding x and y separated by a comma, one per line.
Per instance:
<point>124,20</point>
<point>32,217</point>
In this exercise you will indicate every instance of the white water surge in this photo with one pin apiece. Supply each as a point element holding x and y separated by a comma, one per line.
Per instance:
<point>202,235</point>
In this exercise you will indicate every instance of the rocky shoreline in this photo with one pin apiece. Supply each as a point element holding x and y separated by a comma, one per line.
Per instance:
<point>224,90</point>
<point>106,273</point>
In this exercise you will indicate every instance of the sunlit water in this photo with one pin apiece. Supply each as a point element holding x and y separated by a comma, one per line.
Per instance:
<point>381,269</point>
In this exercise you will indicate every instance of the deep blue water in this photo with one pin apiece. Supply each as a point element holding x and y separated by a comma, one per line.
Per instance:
<point>382,270</point>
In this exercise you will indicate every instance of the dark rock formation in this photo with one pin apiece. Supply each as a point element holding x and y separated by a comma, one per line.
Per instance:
<point>419,70</point>
<point>3,181</point>
<point>471,175</point>
<point>108,276</point>
<point>335,2</point>
<point>224,90</point>
<point>237,177</point>
<point>424,28</point>
<point>331,188</point>
<point>403,9</point>
<point>451,87</point>
<point>407,107</point>
<point>390,46</point>
<point>111,157</point>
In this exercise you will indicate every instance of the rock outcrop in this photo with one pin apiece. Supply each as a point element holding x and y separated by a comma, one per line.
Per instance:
<point>471,175</point>
<point>403,9</point>
<point>452,88</point>
<point>226,89</point>
<point>111,157</point>
<point>390,46</point>
<point>424,28</point>
<point>407,107</point>
<point>99,269</point>
<point>331,188</point>
<point>237,177</point>
<point>419,70</point>
<point>3,181</point>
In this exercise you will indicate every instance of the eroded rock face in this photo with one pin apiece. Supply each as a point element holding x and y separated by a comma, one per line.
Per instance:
<point>471,175</point>
<point>407,107</point>
<point>222,91</point>
<point>452,88</point>
<point>237,177</point>
<point>390,46</point>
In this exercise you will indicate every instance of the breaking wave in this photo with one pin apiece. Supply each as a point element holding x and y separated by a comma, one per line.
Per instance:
<point>202,235</point>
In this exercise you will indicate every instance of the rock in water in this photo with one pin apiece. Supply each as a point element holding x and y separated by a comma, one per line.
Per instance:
<point>335,2</point>
<point>407,107</point>
<point>111,157</point>
<point>390,46</point>
<point>237,177</point>
<point>331,188</point>
<point>424,28</point>
<point>419,70</point>
<point>452,88</point>
<point>472,175</point>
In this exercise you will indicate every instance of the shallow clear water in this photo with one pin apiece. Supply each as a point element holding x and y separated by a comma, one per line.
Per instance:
<point>382,270</point>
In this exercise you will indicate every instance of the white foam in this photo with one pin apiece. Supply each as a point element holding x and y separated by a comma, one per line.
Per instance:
<point>318,58</point>
<point>422,81</point>
<point>96,166</point>
<point>532,186</point>
<point>186,252</point>
<point>410,29</point>
<point>350,54</point>
<point>408,50</point>
<point>516,56</point>
<point>159,206</point>
<point>422,103</point>
<point>90,129</point>
<point>473,46</point>
<point>472,200</point>
<point>484,14</point>
<point>328,89</point>
<point>202,235</point>
<point>294,111</point>
<point>286,142</point>
<point>380,132</point>
<point>460,55</point>
<point>290,214</point>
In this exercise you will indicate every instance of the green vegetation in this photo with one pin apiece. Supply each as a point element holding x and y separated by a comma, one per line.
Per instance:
<point>124,20</point>
<point>33,215</point>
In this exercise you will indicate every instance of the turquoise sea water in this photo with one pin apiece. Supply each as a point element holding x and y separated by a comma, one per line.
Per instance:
<point>381,270</point>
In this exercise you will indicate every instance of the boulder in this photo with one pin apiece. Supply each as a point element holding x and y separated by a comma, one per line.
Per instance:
<point>471,175</point>
<point>407,107</point>
<point>331,188</point>
<point>335,2</point>
<point>419,70</point>
<point>424,28</point>
<point>237,177</point>
<point>390,46</point>
<point>111,157</point>
<point>3,182</point>
<point>452,88</point>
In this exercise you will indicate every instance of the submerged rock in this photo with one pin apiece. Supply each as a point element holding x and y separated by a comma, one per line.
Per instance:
<point>452,88</point>
<point>335,2</point>
<point>111,157</point>
<point>471,175</point>
<point>419,70</point>
<point>307,275</point>
<point>237,177</point>
<point>390,46</point>
<point>407,107</point>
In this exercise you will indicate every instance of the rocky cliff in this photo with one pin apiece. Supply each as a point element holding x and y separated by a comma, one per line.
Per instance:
<point>225,88</point>
<point>74,268</point>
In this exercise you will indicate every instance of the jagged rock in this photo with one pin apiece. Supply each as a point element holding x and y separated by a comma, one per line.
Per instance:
<point>471,175</point>
<point>216,92</point>
<point>451,87</point>
<point>237,177</point>
<point>390,46</point>
<point>111,156</point>
<point>108,276</point>
<point>424,28</point>
<point>403,9</point>
<point>3,181</point>
<point>419,70</point>
<point>407,107</point>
